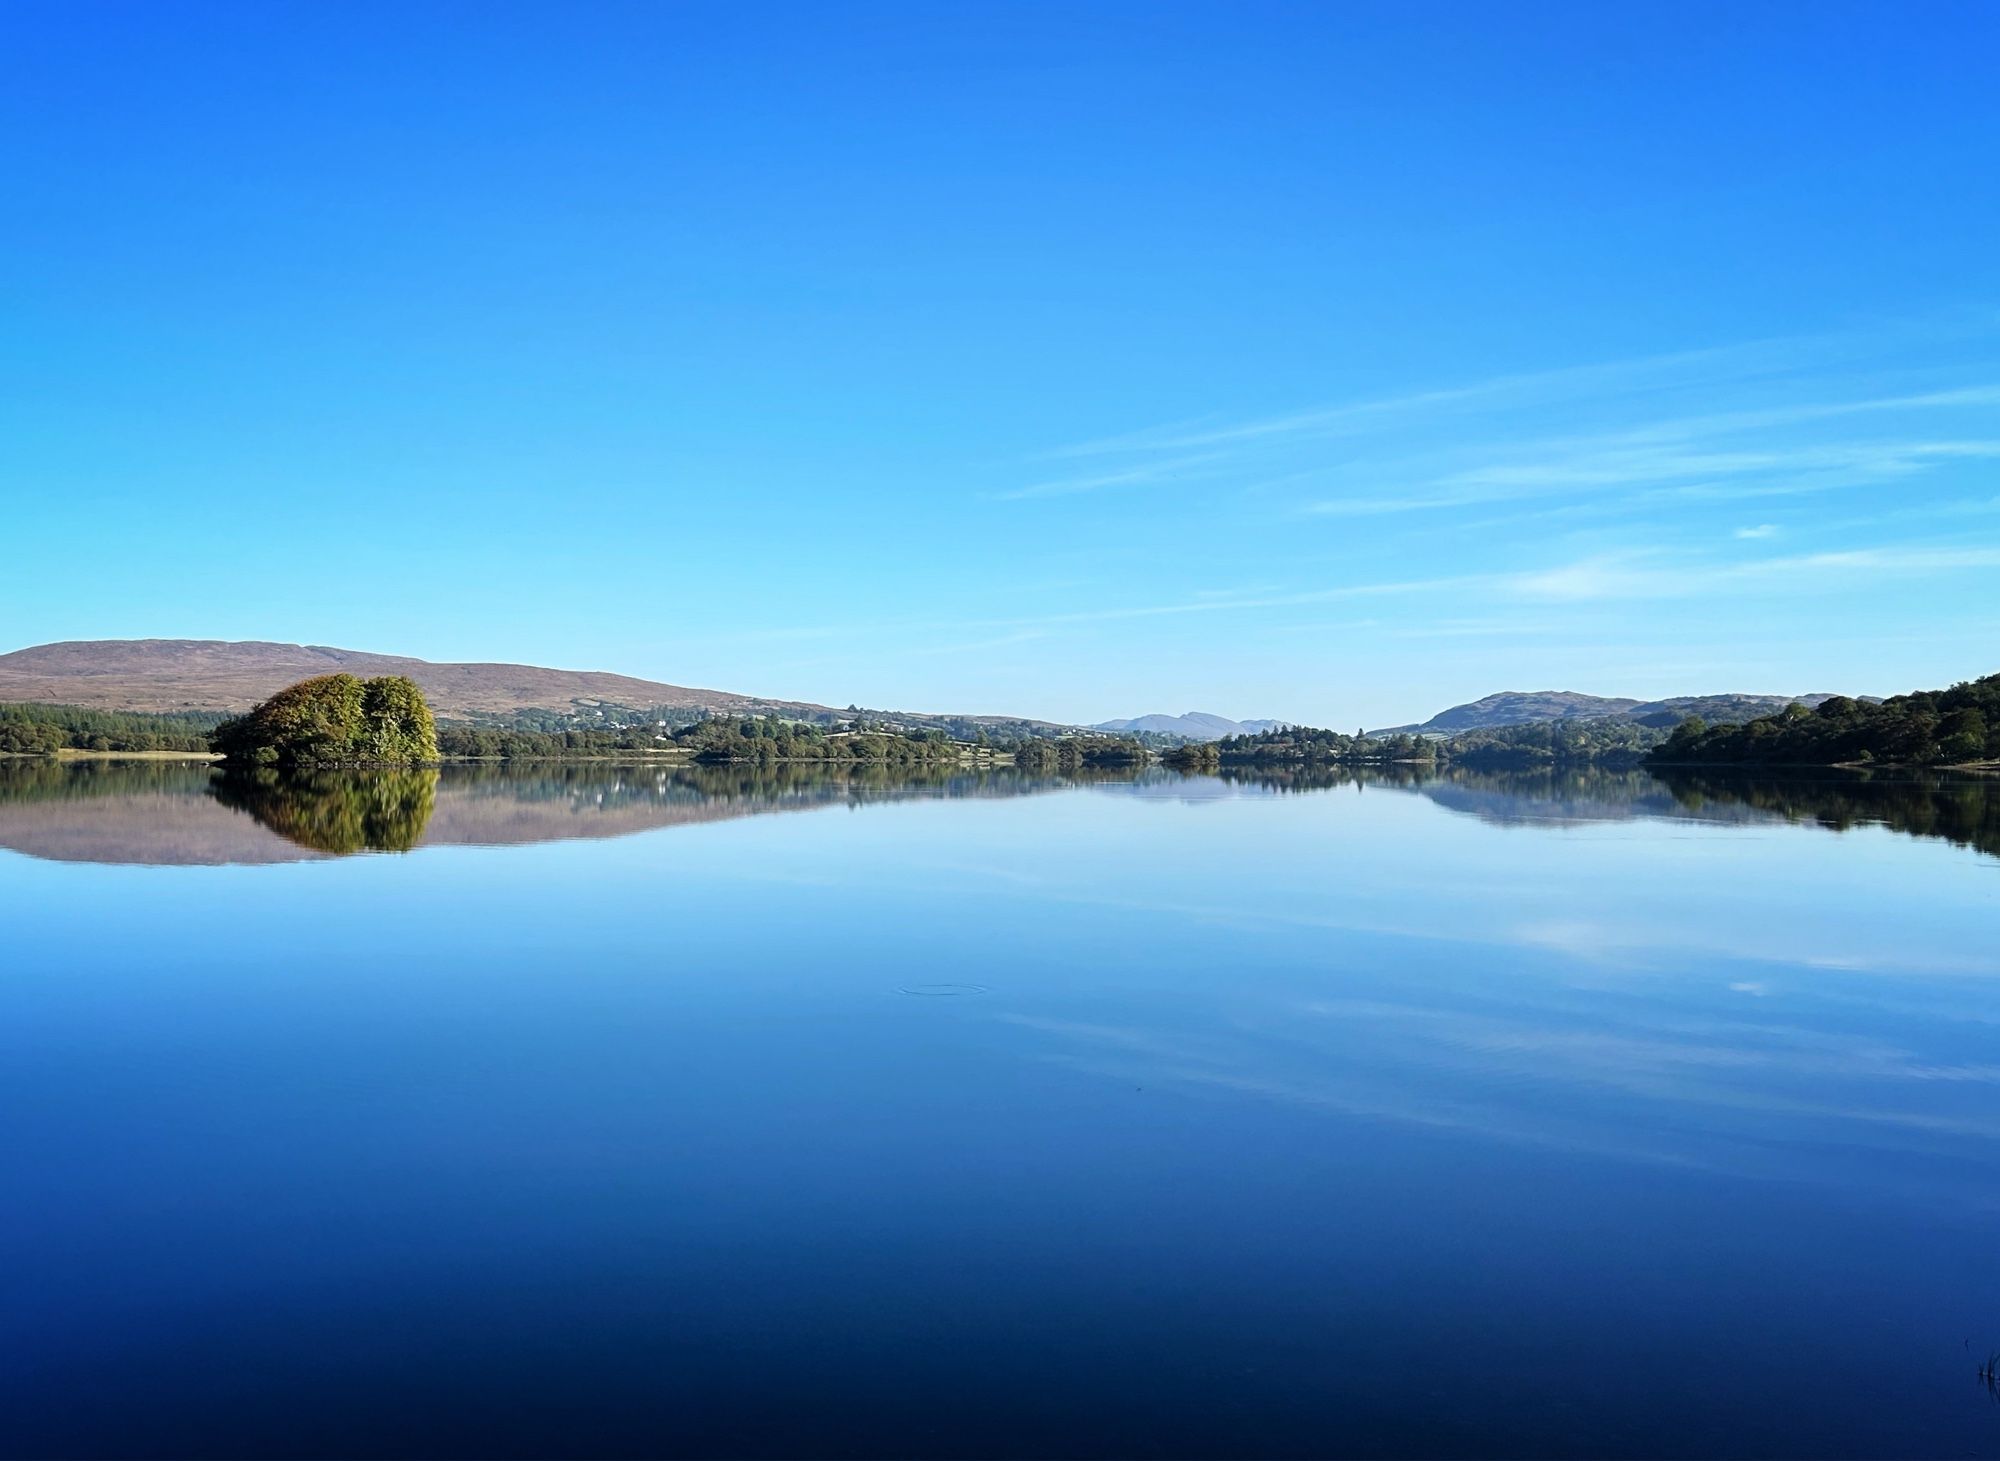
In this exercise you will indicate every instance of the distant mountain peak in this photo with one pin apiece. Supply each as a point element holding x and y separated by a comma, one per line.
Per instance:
<point>1196,725</point>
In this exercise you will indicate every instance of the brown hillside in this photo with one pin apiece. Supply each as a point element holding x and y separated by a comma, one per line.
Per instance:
<point>214,674</point>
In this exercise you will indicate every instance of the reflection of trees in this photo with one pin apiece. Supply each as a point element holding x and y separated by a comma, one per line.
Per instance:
<point>341,810</point>
<point>1960,809</point>
<point>1564,783</point>
<point>45,779</point>
<point>338,812</point>
<point>1578,783</point>
<point>387,810</point>
<point>1328,775</point>
<point>774,785</point>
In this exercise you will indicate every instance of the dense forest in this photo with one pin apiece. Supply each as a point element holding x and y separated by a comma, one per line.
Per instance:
<point>456,741</point>
<point>758,739</point>
<point>641,725</point>
<point>1597,741</point>
<point>1929,728</point>
<point>1078,753</point>
<point>1298,745</point>
<point>762,739</point>
<point>42,730</point>
<point>767,740</point>
<point>1547,744</point>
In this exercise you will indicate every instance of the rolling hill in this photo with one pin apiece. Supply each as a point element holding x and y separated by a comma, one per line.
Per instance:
<point>1530,707</point>
<point>233,675</point>
<point>213,674</point>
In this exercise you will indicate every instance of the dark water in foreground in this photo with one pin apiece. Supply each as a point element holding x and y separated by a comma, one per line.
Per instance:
<point>988,1117</point>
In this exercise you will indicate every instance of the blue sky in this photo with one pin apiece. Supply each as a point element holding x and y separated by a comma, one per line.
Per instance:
<point>1329,362</point>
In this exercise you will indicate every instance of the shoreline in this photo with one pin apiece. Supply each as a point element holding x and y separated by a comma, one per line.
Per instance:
<point>1820,765</point>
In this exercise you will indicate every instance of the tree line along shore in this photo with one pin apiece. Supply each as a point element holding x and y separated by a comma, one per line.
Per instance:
<point>344,720</point>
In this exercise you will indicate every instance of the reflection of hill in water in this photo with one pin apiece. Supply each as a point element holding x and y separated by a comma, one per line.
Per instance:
<point>127,811</point>
<point>1559,798</point>
<point>190,813</point>
<point>175,813</point>
<point>1507,798</point>
<point>1960,808</point>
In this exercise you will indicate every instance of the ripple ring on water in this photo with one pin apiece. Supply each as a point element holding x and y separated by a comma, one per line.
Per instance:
<point>942,991</point>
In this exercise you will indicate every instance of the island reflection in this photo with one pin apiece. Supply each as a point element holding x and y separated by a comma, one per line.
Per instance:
<point>190,813</point>
<point>381,811</point>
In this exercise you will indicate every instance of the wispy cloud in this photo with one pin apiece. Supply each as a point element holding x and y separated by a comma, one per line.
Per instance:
<point>1594,579</point>
<point>1477,517</point>
<point>1621,577</point>
<point>1746,421</point>
<point>1664,471</point>
<point>1639,374</point>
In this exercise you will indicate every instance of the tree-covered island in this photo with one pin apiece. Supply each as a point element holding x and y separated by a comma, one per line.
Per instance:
<point>333,720</point>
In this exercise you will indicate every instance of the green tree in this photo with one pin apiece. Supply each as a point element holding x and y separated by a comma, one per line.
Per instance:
<point>399,726</point>
<point>332,719</point>
<point>1962,736</point>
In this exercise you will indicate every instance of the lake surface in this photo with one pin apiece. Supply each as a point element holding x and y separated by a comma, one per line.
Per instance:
<point>593,1111</point>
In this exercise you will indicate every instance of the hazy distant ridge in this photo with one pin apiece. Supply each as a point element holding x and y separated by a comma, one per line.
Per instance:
<point>1196,725</point>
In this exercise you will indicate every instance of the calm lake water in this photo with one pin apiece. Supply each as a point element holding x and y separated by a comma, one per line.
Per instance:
<point>1169,1117</point>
